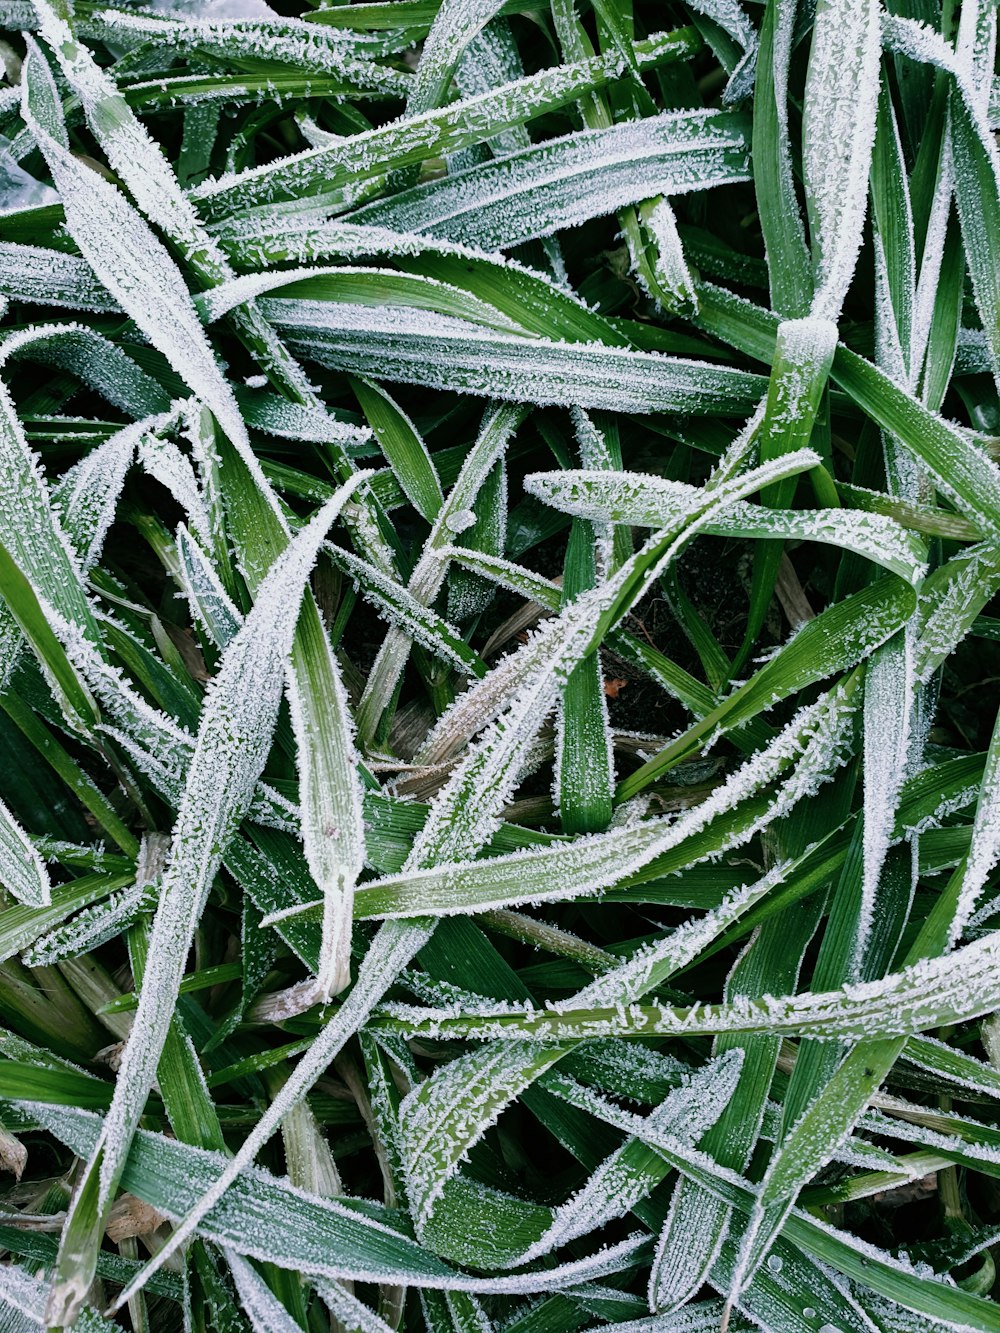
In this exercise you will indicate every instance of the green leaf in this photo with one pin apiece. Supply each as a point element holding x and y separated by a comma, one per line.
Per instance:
<point>440,1120</point>
<point>566,181</point>
<point>22,871</point>
<point>442,352</point>
<point>324,172</point>
<point>230,751</point>
<point>404,450</point>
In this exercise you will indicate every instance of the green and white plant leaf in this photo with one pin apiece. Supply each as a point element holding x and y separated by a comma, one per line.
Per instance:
<point>547,881</point>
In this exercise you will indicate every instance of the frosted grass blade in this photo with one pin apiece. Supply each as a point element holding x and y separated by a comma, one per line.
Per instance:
<point>41,578</point>
<point>781,220</point>
<point>920,996</point>
<point>265,1311</point>
<point>455,25</point>
<point>88,493</point>
<point>210,603</point>
<point>22,871</point>
<point>45,277</point>
<point>430,570</point>
<point>630,498</point>
<point>230,751</point>
<point>441,1119</point>
<point>596,863</point>
<point>94,359</point>
<point>289,41</point>
<point>977,191</point>
<point>164,312</point>
<point>332,810</point>
<point>140,273</point>
<point>889,706</point>
<point>321,172</point>
<point>566,181</point>
<point>838,131</point>
<point>442,352</point>
<point>625,1177</point>
<point>408,616</point>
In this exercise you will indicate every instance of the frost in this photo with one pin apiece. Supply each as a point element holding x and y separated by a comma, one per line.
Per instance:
<point>22,871</point>
<point>701,1317</point>
<point>430,571</point>
<point>22,1293</point>
<point>441,1119</point>
<point>564,182</point>
<point>815,737</point>
<point>456,24</point>
<point>622,1179</point>
<point>978,864</point>
<point>87,495</point>
<point>590,864</point>
<point>213,9</point>
<point>116,240</point>
<point>94,359</point>
<point>595,453</point>
<point>131,152</point>
<point>465,813</point>
<point>33,273</point>
<point>951,603</point>
<point>317,177</point>
<point>233,740</point>
<point>441,351</point>
<point>888,712</point>
<point>293,421</point>
<point>441,841</point>
<point>460,520</point>
<point>689,1243</point>
<point>92,927</point>
<point>491,60</point>
<point>388,954</point>
<point>210,604</point>
<point>18,189</point>
<point>262,1307</point>
<point>139,272</point>
<point>34,538</point>
<point>638,499</point>
<point>584,770</point>
<point>163,460</point>
<point>670,268</point>
<point>654,963</point>
<point>330,796</point>
<point>258,33</point>
<point>228,295</point>
<point>408,617</point>
<point>443,838</point>
<point>348,1310</point>
<point>930,266</point>
<point>838,133</point>
<point>153,730</point>
<point>927,994</point>
<point>966,1144</point>
<point>470,712</point>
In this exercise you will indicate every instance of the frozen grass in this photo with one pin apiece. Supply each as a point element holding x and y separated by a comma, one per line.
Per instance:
<point>499,549</point>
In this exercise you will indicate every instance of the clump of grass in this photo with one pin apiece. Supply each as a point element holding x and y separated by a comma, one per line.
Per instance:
<point>500,796</point>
